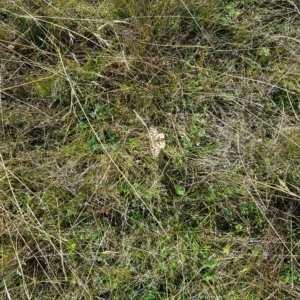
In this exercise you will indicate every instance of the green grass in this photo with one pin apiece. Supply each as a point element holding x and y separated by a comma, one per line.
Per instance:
<point>86,212</point>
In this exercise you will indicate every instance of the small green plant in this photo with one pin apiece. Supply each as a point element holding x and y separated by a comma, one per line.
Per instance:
<point>180,191</point>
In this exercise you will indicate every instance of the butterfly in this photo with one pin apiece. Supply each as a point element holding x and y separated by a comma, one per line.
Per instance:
<point>157,141</point>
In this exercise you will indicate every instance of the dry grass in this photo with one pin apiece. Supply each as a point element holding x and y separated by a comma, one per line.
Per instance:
<point>86,212</point>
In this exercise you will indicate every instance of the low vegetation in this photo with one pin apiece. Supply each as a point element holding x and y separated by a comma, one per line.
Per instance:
<point>87,212</point>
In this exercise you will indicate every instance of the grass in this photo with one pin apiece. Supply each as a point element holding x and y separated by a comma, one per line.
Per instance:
<point>86,212</point>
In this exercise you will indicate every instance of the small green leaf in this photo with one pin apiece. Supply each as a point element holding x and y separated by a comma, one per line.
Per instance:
<point>226,250</point>
<point>179,190</point>
<point>239,227</point>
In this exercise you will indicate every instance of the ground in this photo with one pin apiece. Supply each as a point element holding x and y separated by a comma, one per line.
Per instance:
<point>87,212</point>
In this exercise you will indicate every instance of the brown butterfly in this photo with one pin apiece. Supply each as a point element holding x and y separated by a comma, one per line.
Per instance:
<point>157,141</point>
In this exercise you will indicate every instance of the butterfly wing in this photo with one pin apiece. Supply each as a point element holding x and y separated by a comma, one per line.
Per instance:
<point>155,150</point>
<point>160,144</point>
<point>153,132</point>
<point>157,141</point>
<point>160,137</point>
